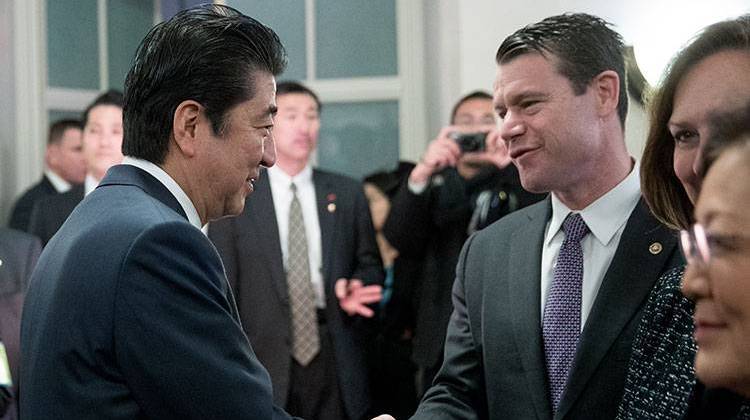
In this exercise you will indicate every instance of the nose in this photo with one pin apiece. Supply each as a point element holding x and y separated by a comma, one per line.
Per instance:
<point>695,283</point>
<point>698,161</point>
<point>268,157</point>
<point>511,127</point>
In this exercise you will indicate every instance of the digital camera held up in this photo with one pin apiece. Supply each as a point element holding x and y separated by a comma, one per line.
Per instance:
<point>470,142</point>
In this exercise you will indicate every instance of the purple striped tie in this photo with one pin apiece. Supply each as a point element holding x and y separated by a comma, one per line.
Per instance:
<point>561,324</point>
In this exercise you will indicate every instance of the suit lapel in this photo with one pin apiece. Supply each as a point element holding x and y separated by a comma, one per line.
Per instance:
<point>524,289</point>
<point>326,201</point>
<point>262,215</point>
<point>627,283</point>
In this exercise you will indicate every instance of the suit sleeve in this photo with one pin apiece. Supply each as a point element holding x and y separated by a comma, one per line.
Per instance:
<point>369,267</point>
<point>458,391</point>
<point>408,223</point>
<point>182,353</point>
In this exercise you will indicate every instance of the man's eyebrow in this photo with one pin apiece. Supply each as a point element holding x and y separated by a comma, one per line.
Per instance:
<point>528,94</point>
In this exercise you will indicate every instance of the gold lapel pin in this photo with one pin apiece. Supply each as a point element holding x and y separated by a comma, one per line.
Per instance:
<point>331,207</point>
<point>655,248</point>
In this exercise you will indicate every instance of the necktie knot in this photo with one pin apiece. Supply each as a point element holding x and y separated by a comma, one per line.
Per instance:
<point>293,187</point>
<point>574,227</point>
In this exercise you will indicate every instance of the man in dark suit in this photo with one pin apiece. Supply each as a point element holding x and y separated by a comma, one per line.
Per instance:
<point>64,168</point>
<point>102,148</point>
<point>547,300</point>
<point>340,271</point>
<point>18,255</point>
<point>128,314</point>
<point>452,192</point>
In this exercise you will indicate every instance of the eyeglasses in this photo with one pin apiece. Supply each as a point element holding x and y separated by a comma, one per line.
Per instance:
<point>699,246</point>
<point>695,245</point>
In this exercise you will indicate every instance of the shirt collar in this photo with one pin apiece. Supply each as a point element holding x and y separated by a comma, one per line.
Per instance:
<point>57,181</point>
<point>171,185</point>
<point>278,177</point>
<point>89,184</point>
<point>607,214</point>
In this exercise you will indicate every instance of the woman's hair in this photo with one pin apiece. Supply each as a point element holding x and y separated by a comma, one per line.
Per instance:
<point>662,189</point>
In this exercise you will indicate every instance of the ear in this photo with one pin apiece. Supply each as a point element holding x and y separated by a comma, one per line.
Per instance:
<point>187,117</point>
<point>607,88</point>
<point>50,157</point>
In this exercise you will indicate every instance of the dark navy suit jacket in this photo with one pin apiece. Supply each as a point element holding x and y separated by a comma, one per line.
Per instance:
<point>21,214</point>
<point>128,316</point>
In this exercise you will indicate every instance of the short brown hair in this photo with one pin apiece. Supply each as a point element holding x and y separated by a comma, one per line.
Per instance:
<point>661,188</point>
<point>58,128</point>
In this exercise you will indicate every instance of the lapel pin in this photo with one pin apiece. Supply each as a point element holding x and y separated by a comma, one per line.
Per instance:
<point>331,207</point>
<point>331,197</point>
<point>655,248</point>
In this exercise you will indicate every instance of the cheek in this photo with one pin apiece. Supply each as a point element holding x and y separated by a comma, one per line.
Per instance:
<point>730,287</point>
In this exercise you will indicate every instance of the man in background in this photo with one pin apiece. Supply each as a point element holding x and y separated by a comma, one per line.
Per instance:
<point>64,168</point>
<point>102,143</point>
<point>303,296</point>
<point>18,256</point>
<point>460,185</point>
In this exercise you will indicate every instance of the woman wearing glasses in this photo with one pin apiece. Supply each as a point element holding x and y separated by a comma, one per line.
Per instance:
<point>709,75</point>
<point>717,249</point>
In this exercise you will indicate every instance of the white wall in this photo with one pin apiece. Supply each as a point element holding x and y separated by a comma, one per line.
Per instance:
<point>7,108</point>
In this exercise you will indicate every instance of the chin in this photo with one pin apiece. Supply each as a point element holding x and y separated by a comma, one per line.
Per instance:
<point>717,371</point>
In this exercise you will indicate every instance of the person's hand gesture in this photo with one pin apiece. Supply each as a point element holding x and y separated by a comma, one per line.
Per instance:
<point>354,296</point>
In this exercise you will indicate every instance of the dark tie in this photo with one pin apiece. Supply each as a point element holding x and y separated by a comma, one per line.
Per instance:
<point>561,323</point>
<point>305,339</point>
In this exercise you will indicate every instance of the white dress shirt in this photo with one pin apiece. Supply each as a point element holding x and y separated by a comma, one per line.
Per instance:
<point>170,184</point>
<point>282,198</point>
<point>57,181</point>
<point>606,218</point>
<point>89,184</point>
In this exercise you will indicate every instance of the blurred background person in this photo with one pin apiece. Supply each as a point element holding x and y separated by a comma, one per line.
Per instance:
<point>18,255</point>
<point>303,297</point>
<point>102,148</point>
<point>464,182</point>
<point>709,75</point>
<point>64,168</point>
<point>392,372</point>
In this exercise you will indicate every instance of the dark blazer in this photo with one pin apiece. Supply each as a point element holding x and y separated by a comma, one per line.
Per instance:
<point>249,245</point>
<point>18,255</point>
<point>494,359</point>
<point>21,214</point>
<point>49,213</point>
<point>128,316</point>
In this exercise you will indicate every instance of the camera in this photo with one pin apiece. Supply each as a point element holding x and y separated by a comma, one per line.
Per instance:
<point>470,142</point>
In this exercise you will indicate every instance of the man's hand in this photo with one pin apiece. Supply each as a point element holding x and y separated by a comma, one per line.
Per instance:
<point>442,152</point>
<point>497,149</point>
<point>354,296</point>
